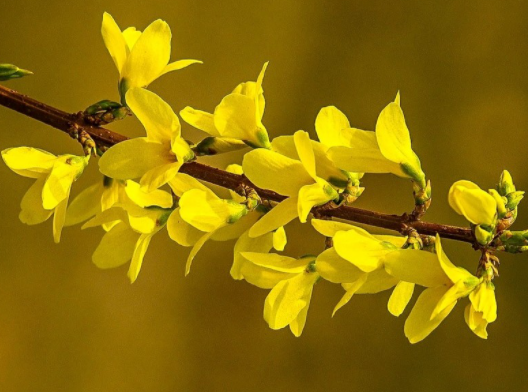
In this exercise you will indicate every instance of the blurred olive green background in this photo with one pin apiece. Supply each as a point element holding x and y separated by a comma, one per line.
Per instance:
<point>461,68</point>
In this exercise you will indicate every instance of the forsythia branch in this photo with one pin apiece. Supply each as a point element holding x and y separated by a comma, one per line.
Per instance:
<point>74,124</point>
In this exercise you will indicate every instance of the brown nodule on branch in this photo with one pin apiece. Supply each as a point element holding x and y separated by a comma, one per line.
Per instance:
<point>105,138</point>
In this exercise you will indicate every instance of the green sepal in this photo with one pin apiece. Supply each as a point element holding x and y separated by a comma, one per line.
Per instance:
<point>415,173</point>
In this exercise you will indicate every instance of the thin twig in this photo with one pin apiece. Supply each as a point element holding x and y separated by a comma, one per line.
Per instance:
<point>106,138</point>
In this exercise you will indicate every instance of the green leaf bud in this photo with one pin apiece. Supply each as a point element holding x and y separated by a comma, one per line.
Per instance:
<point>10,71</point>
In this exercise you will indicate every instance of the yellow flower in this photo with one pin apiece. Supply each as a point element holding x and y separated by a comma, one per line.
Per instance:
<point>54,177</point>
<point>129,237</point>
<point>388,150</point>
<point>201,215</point>
<point>155,158</point>
<point>140,57</point>
<point>446,284</point>
<point>357,262</point>
<point>476,205</point>
<point>296,179</point>
<point>104,194</point>
<point>291,282</point>
<point>236,120</point>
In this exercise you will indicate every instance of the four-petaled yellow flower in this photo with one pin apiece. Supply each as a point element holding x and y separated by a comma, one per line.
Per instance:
<point>388,150</point>
<point>132,228</point>
<point>201,215</point>
<point>54,177</point>
<point>291,282</point>
<point>237,120</point>
<point>140,57</point>
<point>104,194</point>
<point>155,158</point>
<point>356,261</point>
<point>446,284</point>
<point>299,180</point>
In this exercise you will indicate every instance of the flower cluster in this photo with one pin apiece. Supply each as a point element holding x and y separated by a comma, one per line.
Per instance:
<point>143,191</point>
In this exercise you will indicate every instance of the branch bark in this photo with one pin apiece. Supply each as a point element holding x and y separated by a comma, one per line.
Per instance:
<point>103,137</point>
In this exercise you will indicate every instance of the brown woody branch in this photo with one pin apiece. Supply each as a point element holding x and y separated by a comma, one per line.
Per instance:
<point>69,123</point>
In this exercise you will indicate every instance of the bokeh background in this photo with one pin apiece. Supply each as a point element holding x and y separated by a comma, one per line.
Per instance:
<point>461,68</point>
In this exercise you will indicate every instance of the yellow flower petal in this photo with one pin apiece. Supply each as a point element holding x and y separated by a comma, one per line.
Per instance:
<point>286,300</point>
<point>59,218</point>
<point>158,118</point>
<point>456,189</point>
<point>159,176</point>
<point>199,119</point>
<point>361,249</point>
<point>85,205</point>
<point>377,281</point>
<point>476,205</point>
<point>395,142</point>
<point>314,195</point>
<point>305,152</point>
<point>182,183</point>
<point>237,117</point>
<point>351,290</point>
<point>359,139</point>
<point>454,273</point>
<point>235,230</point>
<point>328,125</point>
<point>105,217</point>
<point>329,228</point>
<point>149,56</point>
<point>270,170</point>
<point>419,323</point>
<point>416,266</point>
<point>133,158</point>
<point>298,323</point>
<point>245,243</point>
<point>138,255</point>
<point>335,269</point>
<point>279,239</point>
<point>476,322</point>
<point>277,262</point>
<point>131,35</point>
<point>181,232</point>
<point>32,212</point>
<point>114,41</point>
<point>392,134</point>
<point>58,184</point>
<point>361,160</point>
<point>146,199</point>
<point>278,216</point>
<point>325,168</point>
<point>484,301</point>
<point>204,213</point>
<point>400,297</point>
<point>116,247</point>
<point>194,251</point>
<point>29,162</point>
<point>180,64</point>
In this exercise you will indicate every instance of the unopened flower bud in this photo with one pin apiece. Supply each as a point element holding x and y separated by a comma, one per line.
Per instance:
<point>505,185</point>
